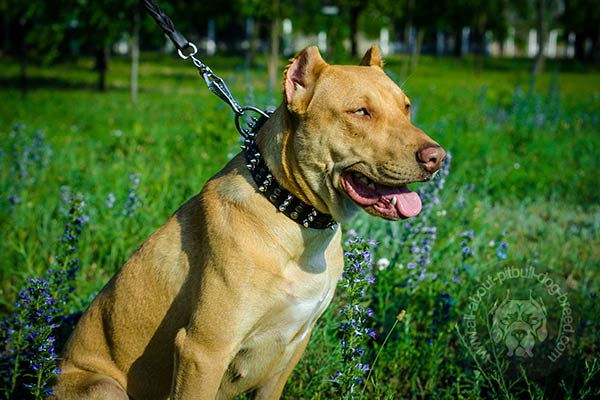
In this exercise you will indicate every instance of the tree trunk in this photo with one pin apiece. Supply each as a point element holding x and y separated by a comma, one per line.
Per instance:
<point>252,35</point>
<point>407,48</point>
<point>408,35</point>
<point>135,53</point>
<point>102,65</point>
<point>596,48</point>
<point>458,43</point>
<point>417,50</point>
<point>273,63</point>
<point>23,81</point>
<point>354,14</point>
<point>5,33</point>
<point>540,13</point>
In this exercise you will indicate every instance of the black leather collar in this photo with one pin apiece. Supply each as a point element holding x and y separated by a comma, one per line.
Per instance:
<point>294,208</point>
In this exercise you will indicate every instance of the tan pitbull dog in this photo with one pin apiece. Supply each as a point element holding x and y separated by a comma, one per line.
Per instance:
<point>222,299</point>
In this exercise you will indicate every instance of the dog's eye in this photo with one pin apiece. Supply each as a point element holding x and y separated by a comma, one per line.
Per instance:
<point>407,107</point>
<point>363,112</point>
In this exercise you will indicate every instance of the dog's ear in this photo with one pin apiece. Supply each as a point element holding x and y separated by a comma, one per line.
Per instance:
<point>372,57</point>
<point>300,77</point>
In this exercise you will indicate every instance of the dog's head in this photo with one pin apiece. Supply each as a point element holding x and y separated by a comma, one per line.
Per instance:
<point>519,324</point>
<point>349,141</point>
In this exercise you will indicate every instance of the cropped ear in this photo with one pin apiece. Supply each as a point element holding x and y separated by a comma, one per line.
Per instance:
<point>372,57</point>
<point>300,77</point>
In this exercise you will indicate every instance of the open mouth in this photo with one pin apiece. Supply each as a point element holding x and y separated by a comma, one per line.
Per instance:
<point>390,202</point>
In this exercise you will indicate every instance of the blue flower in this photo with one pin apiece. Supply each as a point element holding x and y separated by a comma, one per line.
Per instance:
<point>502,252</point>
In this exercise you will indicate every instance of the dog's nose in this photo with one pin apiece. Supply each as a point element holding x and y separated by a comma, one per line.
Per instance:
<point>431,157</point>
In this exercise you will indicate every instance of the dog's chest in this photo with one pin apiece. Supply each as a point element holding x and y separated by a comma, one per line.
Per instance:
<point>302,296</point>
<point>303,304</point>
<point>300,303</point>
<point>309,285</point>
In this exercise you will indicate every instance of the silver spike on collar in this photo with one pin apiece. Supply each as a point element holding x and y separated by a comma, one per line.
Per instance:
<point>288,204</point>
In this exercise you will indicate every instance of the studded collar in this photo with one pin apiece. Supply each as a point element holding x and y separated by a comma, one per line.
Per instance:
<point>288,204</point>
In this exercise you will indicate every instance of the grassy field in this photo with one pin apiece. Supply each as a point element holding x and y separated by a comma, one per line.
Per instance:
<point>516,222</point>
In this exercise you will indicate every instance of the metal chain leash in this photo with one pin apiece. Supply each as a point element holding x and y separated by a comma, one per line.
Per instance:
<point>188,50</point>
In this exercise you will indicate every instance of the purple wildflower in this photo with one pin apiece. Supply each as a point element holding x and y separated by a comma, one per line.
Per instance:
<point>441,312</point>
<point>353,329</point>
<point>29,155</point>
<point>110,200</point>
<point>133,201</point>
<point>418,231</point>
<point>29,336</point>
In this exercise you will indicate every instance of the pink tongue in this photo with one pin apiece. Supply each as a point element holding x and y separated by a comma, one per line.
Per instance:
<point>408,204</point>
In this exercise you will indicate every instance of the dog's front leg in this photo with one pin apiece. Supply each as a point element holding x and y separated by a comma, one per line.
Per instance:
<point>199,367</point>
<point>273,389</point>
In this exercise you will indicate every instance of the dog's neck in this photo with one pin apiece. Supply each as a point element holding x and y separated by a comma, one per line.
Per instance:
<point>295,208</point>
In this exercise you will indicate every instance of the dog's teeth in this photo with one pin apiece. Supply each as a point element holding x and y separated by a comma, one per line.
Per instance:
<point>372,185</point>
<point>394,200</point>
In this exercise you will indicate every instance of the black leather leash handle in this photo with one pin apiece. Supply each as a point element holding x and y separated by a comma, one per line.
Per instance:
<point>167,25</point>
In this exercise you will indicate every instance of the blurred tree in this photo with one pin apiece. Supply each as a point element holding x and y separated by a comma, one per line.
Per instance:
<point>582,17</point>
<point>193,17</point>
<point>542,16</point>
<point>273,13</point>
<point>541,24</point>
<point>480,16</point>
<point>256,12</point>
<point>101,23</point>
<point>354,9</point>
<point>38,29</point>
<point>420,19</point>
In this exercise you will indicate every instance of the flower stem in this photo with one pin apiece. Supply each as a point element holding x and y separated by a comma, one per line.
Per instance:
<point>398,319</point>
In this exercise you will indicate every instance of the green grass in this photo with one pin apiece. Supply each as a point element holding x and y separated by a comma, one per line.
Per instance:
<point>524,171</point>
